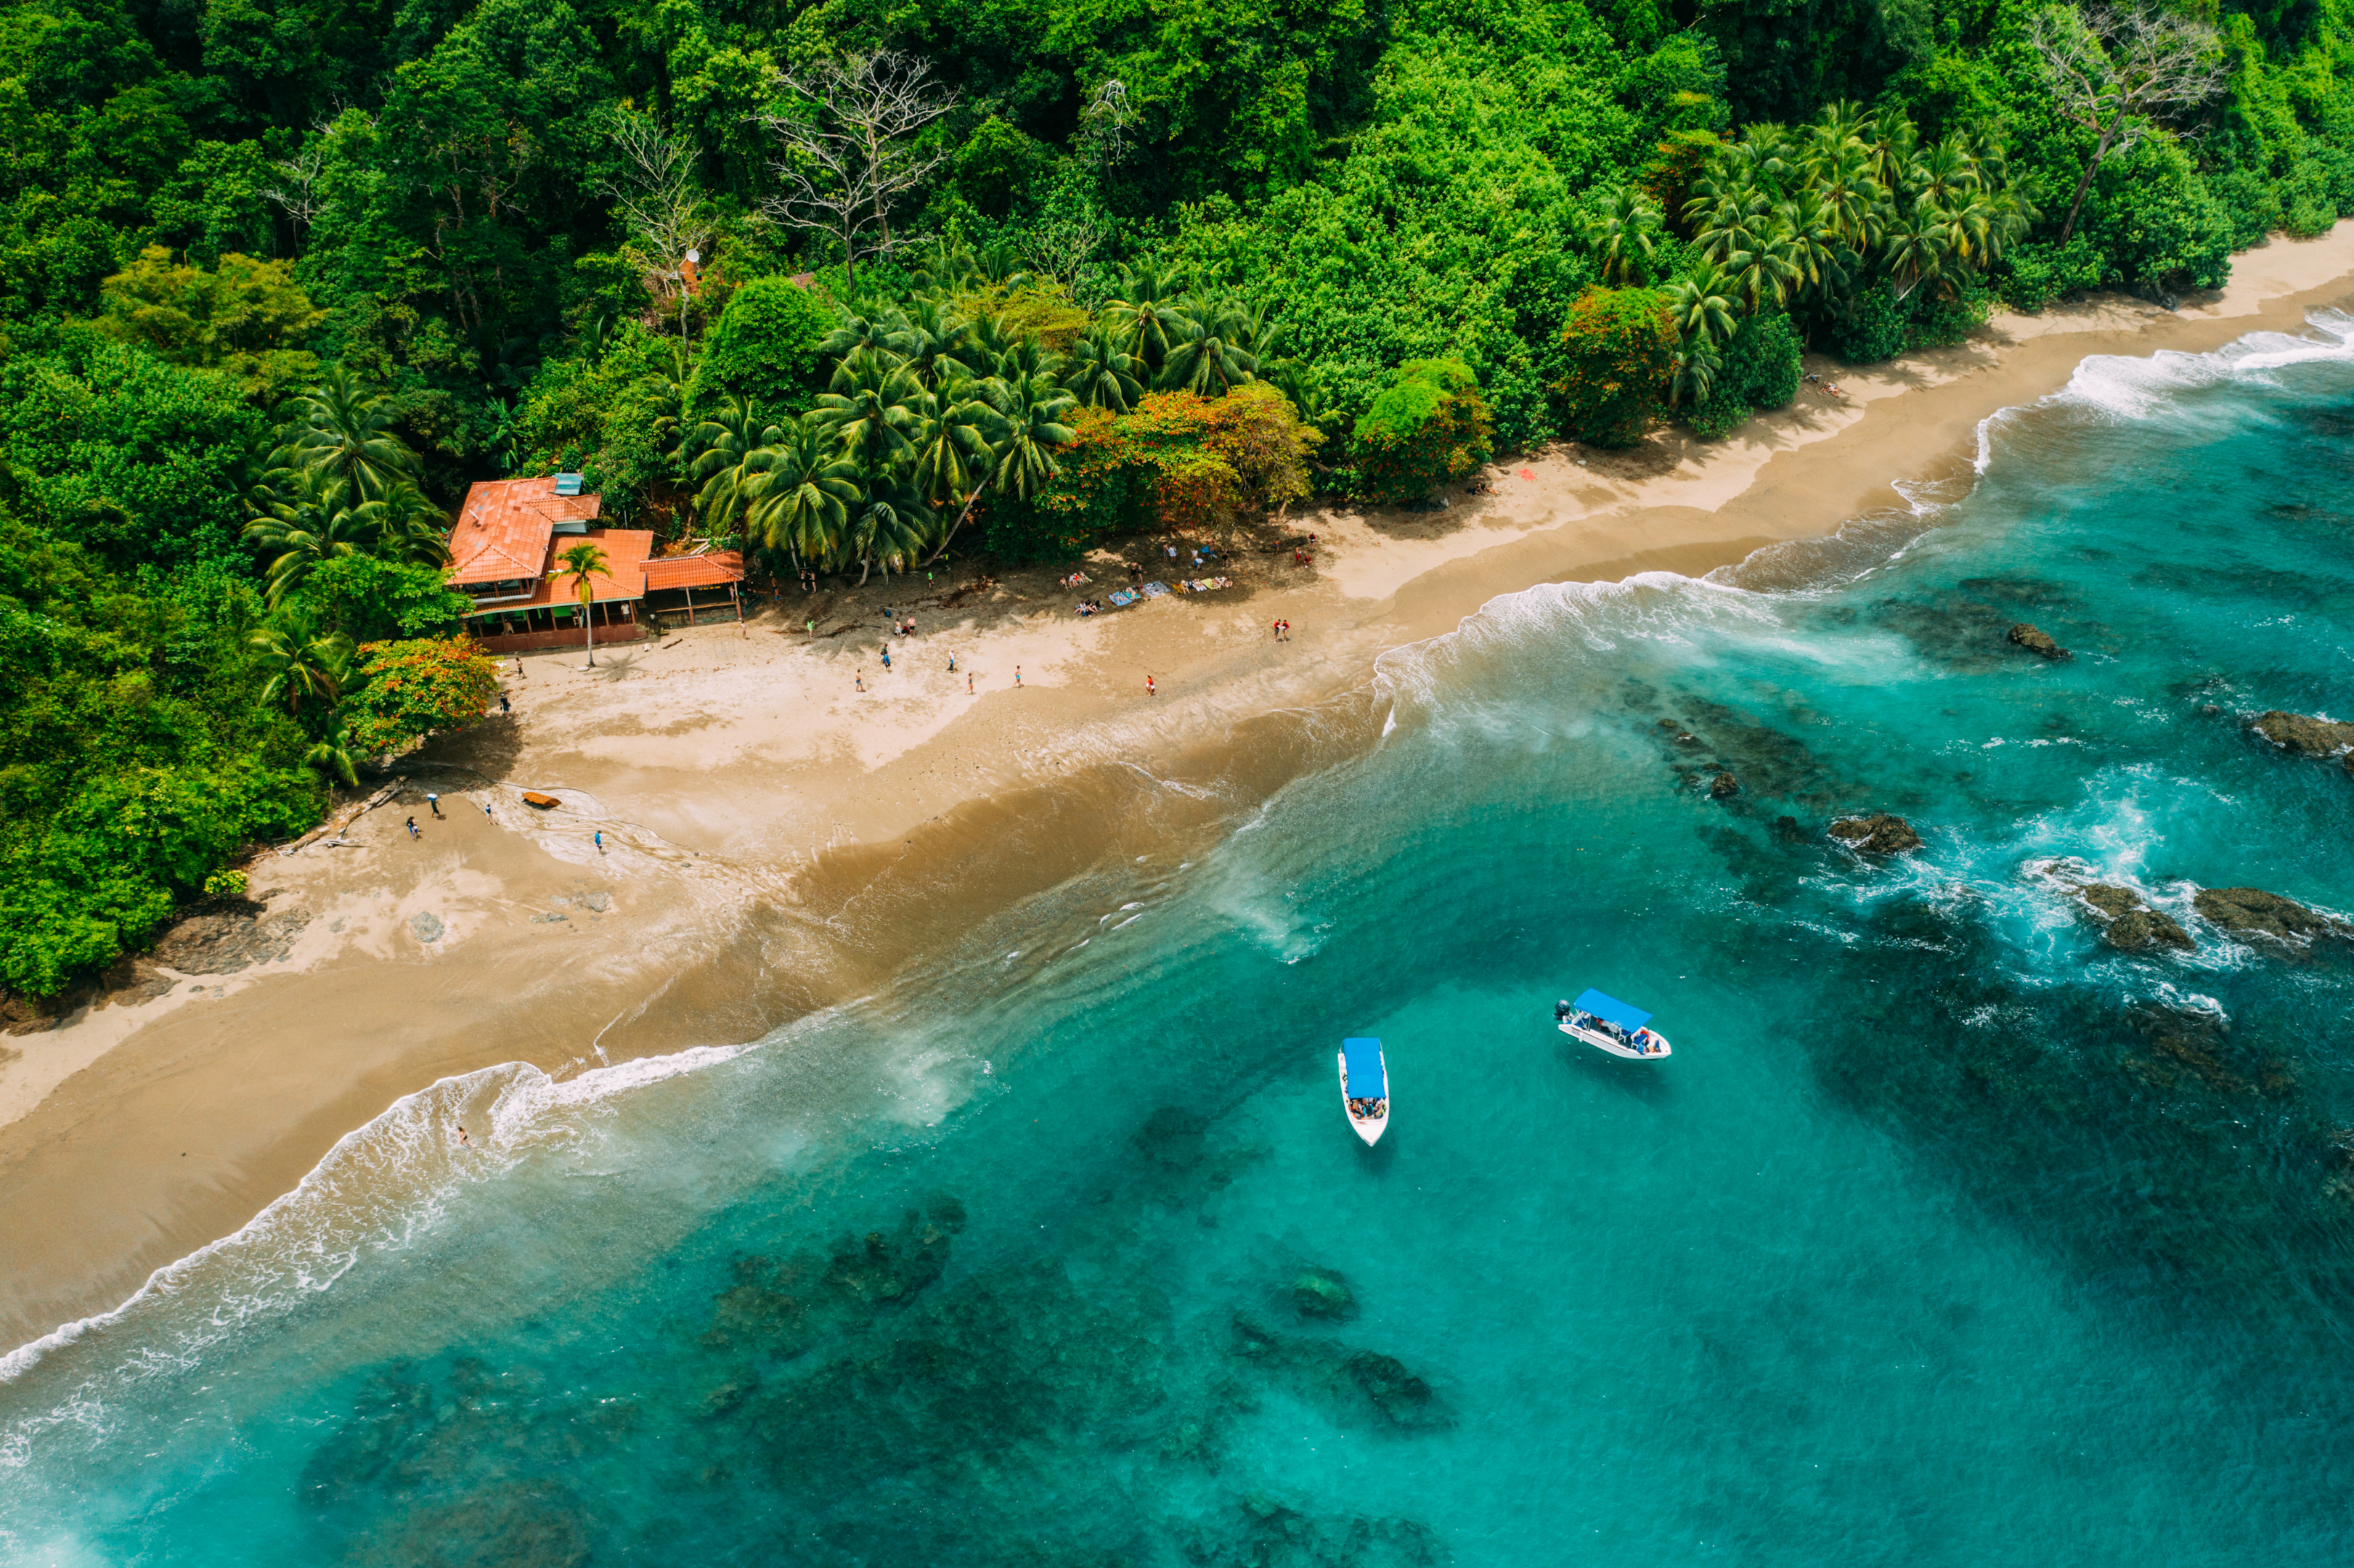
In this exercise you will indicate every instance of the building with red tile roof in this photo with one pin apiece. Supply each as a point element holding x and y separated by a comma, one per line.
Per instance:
<point>505,550</point>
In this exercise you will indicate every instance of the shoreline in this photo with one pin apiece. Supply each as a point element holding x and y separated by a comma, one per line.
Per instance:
<point>777,841</point>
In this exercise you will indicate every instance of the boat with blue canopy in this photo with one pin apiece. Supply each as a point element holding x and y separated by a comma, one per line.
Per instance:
<point>1608,1024</point>
<point>1366,1088</point>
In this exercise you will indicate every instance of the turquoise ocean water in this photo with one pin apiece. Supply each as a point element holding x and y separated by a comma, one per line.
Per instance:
<point>1948,1236</point>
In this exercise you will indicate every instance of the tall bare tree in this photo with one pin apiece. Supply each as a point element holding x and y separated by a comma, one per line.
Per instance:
<point>297,190</point>
<point>660,202</point>
<point>2117,69</point>
<point>849,151</point>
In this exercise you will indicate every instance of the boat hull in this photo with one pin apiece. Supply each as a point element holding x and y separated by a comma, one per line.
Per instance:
<point>1620,1047</point>
<point>1368,1127</point>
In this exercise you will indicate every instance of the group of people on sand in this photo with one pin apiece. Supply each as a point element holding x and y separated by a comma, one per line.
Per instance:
<point>1368,1107</point>
<point>1282,630</point>
<point>1828,386</point>
<point>1090,606</point>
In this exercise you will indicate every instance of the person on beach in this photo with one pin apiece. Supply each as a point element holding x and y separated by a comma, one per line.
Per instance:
<point>486,811</point>
<point>506,706</point>
<point>600,840</point>
<point>968,683</point>
<point>861,680</point>
<point>886,656</point>
<point>433,801</point>
<point>462,1138</point>
<point>411,825</point>
<point>1278,626</point>
<point>951,664</point>
<point>1017,675</point>
<point>1149,689</point>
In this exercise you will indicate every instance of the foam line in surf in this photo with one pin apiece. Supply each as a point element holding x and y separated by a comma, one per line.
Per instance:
<point>377,1190</point>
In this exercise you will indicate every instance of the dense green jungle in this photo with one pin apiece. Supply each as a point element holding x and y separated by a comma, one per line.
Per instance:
<point>851,286</point>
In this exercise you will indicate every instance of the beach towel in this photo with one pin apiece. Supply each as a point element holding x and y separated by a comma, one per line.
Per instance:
<point>1156,590</point>
<point>1123,598</point>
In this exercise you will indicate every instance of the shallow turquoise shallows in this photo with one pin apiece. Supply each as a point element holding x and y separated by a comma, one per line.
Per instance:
<point>1948,1235</point>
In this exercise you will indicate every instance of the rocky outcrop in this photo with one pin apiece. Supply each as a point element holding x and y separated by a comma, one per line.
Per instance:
<point>225,942</point>
<point>2128,924</point>
<point>2252,912</point>
<point>1321,1293</point>
<point>1723,787</point>
<point>2037,642</point>
<point>2307,734</point>
<point>1878,832</point>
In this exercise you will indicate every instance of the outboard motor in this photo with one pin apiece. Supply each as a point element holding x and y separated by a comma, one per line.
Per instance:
<point>1561,1012</point>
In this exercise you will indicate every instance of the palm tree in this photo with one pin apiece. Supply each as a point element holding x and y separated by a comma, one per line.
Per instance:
<point>407,527</point>
<point>1150,317</point>
<point>1625,237</point>
<point>582,562</point>
<point>1763,273</point>
<point>1033,410</point>
<point>1211,361</point>
<point>1702,307</point>
<point>890,524</point>
<point>343,428</point>
<point>1697,364</point>
<point>308,517</point>
<point>888,331</point>
<point>800,495</point>
<point>1100,374</point>
<point>874,409</point>
<point>302,662</point>
<point>727,441</point>
<point>332,756</point>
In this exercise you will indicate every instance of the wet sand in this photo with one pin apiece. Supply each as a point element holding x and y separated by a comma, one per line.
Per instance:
<point>777,841</point>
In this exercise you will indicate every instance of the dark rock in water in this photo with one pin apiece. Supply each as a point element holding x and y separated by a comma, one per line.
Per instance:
<point>2307,734</point>
<point>1321,1293</point>
<point>2036,643</point>
<point>2252,912</point>
<point>1878,832</point>
<point>1787,830</point>
<point>2182,1047</point>
<point>1173,1136</point>
<point>2128,923</point>
<point>2131,926</point>
<point>1403,1399</point>
<point>1723,786</point>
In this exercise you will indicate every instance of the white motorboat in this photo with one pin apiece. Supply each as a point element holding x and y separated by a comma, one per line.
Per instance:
<point>1608,1024</point>
<point>1366,1088</point>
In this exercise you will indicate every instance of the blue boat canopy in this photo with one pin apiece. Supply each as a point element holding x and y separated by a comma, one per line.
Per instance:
<point>1610,1009</point>
<point>1366,1080</point>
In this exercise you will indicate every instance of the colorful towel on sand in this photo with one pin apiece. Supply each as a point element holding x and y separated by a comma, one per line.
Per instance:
<point>1123,598</point>
<point>1155,590</point>
<point>1205,585</point>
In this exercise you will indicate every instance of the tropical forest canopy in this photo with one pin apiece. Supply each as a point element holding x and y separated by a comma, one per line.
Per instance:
<point>853,286</point>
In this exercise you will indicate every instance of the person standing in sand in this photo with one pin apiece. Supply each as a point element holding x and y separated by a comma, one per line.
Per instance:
<point>967,682</point>
<point>462,1138</point>
<point>1149,689</point>
<point>1017,675</point>
<point>861,680</point>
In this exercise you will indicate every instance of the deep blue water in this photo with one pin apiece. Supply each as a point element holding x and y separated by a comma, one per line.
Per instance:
<point>1948,1236</point>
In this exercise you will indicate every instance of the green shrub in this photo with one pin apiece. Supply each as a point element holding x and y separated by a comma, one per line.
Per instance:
<point>1872,328</point>
<point>2040,274</point>
<point>224,884</point>
<point>764,347</point>
<point>1429,427</point>
<point>1943,323</point>
<point>1619,351</point>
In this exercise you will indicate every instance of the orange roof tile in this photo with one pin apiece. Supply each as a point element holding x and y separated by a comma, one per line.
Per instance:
<point>503,530</point>
<point>624,577</point>
<point>694,571</point>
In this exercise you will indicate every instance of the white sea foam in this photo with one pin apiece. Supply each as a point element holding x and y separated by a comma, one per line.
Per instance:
<point>381,1187</point>
<point>2136,387</point>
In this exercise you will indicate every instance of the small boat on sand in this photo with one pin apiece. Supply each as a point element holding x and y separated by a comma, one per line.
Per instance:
<point>1608,1024</point>
<point>1366,1088</point>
